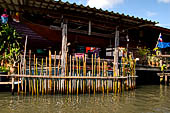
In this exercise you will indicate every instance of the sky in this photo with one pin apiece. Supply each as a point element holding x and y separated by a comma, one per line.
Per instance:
<point>154,10</point>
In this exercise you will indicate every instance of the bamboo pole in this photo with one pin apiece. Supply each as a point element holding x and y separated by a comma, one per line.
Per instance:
<point>12,86</point>
<point>92,70</point>
<point>113,84</point>
<point>46,92</point>
<point>70,75</point>
<point>134,73</point>
<point>83,72</point>
<point>73,75</point>
<point>18,80</point>
<point>102,80</point>
<point>99,73</point>
<point>107,83</point>
<point>34,74</point>
<point>105,75</point>
<point>54,70</point>
<point>50,70</point>
<point>58,69</point>
<point>32,87</point>
<point>89,82</point>
<point>77,74</point>
<point>95,73</point>
<point>42,65</point>
<point>98,81</point>
<point>65,74</point>
<point>37,88</point>
<point>115,81</point>
<point>37,74</point>
<point>29,71</point>
<point>25,79</point>
<point>21,78</point>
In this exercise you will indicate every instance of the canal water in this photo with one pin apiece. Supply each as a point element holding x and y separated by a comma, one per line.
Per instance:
<point>145,99</point>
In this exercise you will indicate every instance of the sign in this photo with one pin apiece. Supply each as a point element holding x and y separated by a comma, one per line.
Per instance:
<point>79,55</point>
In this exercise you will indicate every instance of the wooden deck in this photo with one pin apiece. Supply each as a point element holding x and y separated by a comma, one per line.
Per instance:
<point>163,74</point>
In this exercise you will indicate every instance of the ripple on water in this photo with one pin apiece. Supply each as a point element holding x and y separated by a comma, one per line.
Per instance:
<point>145,99</point>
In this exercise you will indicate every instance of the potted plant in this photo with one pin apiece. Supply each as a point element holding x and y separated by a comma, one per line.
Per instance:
<point>143,52</point>
<point>10,48</point>
<point>149,60</point>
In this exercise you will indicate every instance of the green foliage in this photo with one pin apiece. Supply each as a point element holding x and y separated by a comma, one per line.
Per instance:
<point>143,54</point>
<point>4,69</point>
<point>144,51</point>
<point>10,45</point>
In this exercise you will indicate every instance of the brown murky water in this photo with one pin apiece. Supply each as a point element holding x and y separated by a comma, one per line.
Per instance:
<point>145,99</point>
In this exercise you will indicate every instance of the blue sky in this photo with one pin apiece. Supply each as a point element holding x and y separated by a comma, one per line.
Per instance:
<point>155,10</point>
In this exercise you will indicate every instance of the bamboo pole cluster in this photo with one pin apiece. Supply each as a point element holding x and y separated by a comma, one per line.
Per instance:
<point>82,75</point>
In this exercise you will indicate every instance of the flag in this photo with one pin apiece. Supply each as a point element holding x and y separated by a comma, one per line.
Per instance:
<point>160,38</point>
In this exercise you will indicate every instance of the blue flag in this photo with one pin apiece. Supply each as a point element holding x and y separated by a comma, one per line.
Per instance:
<point>163,44</point>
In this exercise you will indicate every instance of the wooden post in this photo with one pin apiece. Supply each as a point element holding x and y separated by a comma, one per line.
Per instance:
<point>116,55</point>
<point>64,49</point>
<point>116,51</point>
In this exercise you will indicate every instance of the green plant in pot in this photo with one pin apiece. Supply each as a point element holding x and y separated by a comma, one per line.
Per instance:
<point>143,53</point>
<point>10,48</point>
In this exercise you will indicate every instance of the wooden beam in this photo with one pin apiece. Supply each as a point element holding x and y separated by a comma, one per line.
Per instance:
<point>68,77</point>
<point>5,83</point>
<point>89,33</point>
<point>163,56</point>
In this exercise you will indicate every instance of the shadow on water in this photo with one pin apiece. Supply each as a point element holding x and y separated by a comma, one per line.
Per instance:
<point>148,98</point>
<point>147,78</point>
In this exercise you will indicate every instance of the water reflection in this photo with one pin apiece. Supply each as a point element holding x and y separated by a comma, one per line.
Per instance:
<point>144,99</point>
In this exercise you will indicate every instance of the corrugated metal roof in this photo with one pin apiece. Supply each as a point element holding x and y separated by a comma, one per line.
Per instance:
<point>51,6</point>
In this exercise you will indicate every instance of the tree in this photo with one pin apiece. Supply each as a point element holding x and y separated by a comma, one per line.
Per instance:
<point>10,46</point>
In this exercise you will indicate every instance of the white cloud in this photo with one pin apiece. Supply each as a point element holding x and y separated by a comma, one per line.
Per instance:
<point>163,25</point>
<point>105,4</point>
<point>164,1</point>
<point>150,14</point>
